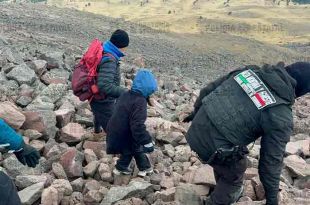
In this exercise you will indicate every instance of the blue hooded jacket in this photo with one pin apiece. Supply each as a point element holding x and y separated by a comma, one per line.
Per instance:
<point>144,83</point>
<point>109,47</point>
<point>9,136</point>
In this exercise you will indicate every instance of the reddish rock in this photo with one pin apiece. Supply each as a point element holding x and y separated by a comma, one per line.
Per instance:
<point>297,166</point>
<point>299,147</point>
<point>97,147</point>
<point>71,161</point>
<point>11,114</point>
<point>72,132</point>
<point>34,121</point>
<point>50,196</point>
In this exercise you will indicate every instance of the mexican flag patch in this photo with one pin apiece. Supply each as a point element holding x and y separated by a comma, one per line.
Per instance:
<point>255,88</point>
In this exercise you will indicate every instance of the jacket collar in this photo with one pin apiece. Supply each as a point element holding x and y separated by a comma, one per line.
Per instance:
<point>109,47</point>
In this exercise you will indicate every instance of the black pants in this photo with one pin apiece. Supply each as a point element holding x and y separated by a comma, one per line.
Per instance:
<point>229,180</point>
<point>141,159</point>
<point>8,192</point>
<point>102,110</point>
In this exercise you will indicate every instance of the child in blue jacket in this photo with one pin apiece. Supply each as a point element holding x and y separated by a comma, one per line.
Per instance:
<point>126,131</point>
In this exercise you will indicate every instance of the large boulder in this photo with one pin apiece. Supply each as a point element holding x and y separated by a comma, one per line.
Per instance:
<point>22,74</point>
<point>139,189</point>
<point>11,114</point>
<point>31,194</point>
<point>71,161</point>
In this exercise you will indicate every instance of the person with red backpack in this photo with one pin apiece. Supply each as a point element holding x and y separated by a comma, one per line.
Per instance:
<point>109,78</point>
<point>97,77</point>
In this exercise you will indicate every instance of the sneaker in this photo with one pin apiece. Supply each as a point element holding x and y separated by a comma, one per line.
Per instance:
<point>145,172</point>
<point>121,172</point>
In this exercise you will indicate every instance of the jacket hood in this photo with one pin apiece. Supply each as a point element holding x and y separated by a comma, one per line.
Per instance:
<point>279,81</point>
<point>144,83</point>
<point>109,47</point>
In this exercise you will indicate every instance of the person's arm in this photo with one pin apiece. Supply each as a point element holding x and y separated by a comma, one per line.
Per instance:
<point>277,125</point>
<point>10,137</point>
<point>26,154</point>
<point>137,122</point>
<point>106,74</point>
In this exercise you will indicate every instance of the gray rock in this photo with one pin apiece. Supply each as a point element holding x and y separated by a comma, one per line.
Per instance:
<point>54,59</point>
<point>78,184</point>
<point>11,55</point>
<point>182,153</point>
<point>14,168</point>
<point>32,134</point>
<point>39,66</point>
<point>54,92</point>
<point>134,189</point>
<point>63,186</point>
<point>297,166</point>
<point>22,74</point>
<point>186,195</point>
<point>23,101</point>
<point>56,76</point>
<point>27,180</point>
<point>59,171</point>
<point>31,194</point>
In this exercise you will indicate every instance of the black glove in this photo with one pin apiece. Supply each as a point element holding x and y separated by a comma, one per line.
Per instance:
<point>148,148</point>
<point>190,117</point>
<point>28,155</point>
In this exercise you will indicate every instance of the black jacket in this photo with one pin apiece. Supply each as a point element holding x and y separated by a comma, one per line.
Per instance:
<point>126,131</point>
<point>235,120</point>
<point>109,79</point>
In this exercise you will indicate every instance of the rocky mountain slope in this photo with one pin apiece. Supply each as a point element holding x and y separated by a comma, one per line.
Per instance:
<point>39,46</point>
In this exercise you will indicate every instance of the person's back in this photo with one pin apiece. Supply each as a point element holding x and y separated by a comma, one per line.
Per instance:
<point>126,131</point>
<point>237,109</point>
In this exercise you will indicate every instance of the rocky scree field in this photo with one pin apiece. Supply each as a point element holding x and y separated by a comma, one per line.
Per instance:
<point>36,100</point>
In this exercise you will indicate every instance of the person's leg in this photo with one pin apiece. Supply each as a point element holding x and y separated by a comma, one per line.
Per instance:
<point>102,111</point>
<point>97,126</point>
<point>8,192</point>
<point>123,163</point>
<point>142,161</point>
<point>229,182</point>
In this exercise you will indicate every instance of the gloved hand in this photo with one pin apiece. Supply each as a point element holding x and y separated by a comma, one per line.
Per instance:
<point>28,155</point>
<point>148,148</point>
<point>190,117</point>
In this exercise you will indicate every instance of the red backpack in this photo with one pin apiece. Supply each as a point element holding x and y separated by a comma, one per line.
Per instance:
<point>84,77</point>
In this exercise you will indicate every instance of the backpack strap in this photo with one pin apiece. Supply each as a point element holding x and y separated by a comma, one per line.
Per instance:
<point>107,57</point>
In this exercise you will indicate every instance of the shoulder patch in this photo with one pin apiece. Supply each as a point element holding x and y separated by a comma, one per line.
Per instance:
<point>255,88</point>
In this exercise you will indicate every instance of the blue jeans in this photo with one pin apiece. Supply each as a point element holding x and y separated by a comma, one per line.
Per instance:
<point>102,111</point>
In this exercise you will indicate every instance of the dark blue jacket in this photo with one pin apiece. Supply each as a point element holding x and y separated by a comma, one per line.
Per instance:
<point>126,131</point>
<point>9,136</point>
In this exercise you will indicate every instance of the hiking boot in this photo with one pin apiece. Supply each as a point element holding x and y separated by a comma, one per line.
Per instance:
<point>122,172</point>
<point>145,172</point>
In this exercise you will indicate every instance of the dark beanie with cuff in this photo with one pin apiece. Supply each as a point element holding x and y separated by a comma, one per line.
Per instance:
<point>120,38</point>
<point>300,71</point>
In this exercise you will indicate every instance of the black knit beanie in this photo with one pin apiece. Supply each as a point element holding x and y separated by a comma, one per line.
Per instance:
<point>120,38</point>
<point>300,71</point>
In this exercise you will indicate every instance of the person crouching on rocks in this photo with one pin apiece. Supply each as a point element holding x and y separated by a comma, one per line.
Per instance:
<point>236,110</point>
<point>126,131</point>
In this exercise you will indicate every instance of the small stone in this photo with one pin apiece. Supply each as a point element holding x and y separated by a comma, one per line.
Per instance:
<point>91,168</point>
<point>59,171</point>
<point>105,172</point>
<point>50,196</point>
<point>90,155</point>
<point>63,186</point>
<point>78,184</point>
<point>38,144</point>
<point>11,114</point>
<point>32,134</point>
<point>64,116</point>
